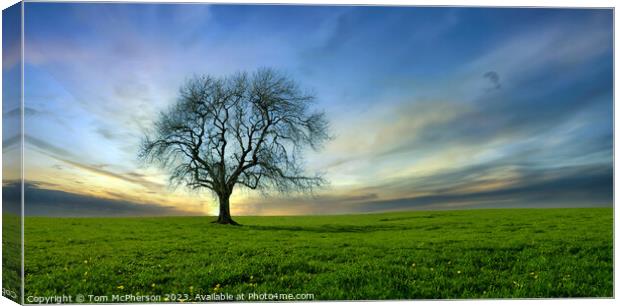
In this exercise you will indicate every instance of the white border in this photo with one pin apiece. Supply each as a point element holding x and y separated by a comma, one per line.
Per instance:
<point>487,3</point>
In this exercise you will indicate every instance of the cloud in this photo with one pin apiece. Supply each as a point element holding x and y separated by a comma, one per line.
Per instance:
<point>580,187</point>
<point>493,78</point>
<point>54,203</point>
<point>16,112</point>
<point>10,142</point>
<point>71,159</point>
<point>107,133</point>
<point>583,186</point>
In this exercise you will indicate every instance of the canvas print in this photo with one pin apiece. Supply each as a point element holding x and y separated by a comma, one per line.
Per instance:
<point>191,152</point>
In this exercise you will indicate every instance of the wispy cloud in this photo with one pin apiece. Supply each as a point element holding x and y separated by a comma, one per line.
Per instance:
<point>71,159</point>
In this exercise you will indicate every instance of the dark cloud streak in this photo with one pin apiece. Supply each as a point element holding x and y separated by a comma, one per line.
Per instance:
<point>577,186</point>
<point>566,188</point>
<point>55,203</point>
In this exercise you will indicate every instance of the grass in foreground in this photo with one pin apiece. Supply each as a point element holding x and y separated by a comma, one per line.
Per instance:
<point>11,256</point>
<point>499,253</point>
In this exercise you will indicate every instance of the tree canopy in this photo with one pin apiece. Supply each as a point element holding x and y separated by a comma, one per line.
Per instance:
<point>247,130</point>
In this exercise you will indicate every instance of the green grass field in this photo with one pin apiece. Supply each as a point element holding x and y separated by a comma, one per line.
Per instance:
<point>11,258</point>
<point>502,253</point>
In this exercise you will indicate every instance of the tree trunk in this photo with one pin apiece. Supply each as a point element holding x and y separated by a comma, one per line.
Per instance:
<point>224,217</point>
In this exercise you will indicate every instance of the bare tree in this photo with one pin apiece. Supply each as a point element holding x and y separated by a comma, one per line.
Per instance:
<point>246,130</point>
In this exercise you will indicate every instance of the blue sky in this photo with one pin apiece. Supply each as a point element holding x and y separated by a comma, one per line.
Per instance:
<point>431,108</point>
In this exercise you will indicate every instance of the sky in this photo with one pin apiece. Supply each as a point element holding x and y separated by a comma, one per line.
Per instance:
<point>430,108</point>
